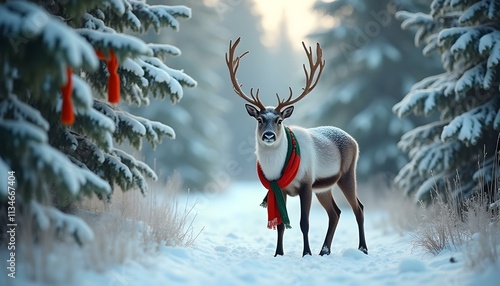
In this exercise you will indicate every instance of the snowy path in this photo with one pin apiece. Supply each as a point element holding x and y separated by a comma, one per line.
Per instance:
<point>236,248</point>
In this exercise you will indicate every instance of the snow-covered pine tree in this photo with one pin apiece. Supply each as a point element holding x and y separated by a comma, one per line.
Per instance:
<point>199,153</point>
<point>462,143</point>
<point>65,65</point>
<point>367,72</point>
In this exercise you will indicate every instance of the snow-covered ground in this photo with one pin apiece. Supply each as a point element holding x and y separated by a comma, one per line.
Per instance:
<point>236,248</point>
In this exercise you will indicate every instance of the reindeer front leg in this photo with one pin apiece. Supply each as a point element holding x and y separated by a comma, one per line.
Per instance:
<point>305,208</point>
<point>281,231</point>
<point>279,245</point>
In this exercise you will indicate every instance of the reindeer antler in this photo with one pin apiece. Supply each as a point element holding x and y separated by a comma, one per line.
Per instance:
<point>310,81</point>
<point>232,65</point>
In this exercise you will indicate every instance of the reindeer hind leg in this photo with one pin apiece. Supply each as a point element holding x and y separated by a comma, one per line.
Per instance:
<point>347,185</point>
<point>333,211</point>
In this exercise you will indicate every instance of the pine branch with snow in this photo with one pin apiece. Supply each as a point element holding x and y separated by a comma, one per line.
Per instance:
<point>64,68</point>
<point>465,97</point>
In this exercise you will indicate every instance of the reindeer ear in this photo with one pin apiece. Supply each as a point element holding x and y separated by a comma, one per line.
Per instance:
<point>287,112</point>
<point>252,111</point>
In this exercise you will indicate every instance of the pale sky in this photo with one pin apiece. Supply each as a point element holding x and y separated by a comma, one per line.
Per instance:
<point>300,19</point>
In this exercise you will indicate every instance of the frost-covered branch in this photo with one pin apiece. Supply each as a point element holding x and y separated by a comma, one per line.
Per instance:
<point>465,97</point>
<point>61,58</point>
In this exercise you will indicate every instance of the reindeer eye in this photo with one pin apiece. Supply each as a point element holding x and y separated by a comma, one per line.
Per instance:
<point>259,120</point>
<point>279,121</point>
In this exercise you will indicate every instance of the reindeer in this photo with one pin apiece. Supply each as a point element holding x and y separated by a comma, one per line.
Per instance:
<point>328,155</point>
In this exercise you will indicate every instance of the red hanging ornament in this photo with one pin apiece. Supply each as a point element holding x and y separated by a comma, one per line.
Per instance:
<point>67,114</point>
<point>114,79</point>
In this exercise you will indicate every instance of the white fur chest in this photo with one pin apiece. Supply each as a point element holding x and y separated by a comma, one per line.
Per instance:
<point>272,160</point>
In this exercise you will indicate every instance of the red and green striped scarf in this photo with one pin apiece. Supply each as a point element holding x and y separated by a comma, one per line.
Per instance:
<point>276,205</point>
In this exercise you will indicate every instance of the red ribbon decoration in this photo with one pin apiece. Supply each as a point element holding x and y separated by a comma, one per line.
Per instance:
<point>114,79</point>
<point>67,114</point>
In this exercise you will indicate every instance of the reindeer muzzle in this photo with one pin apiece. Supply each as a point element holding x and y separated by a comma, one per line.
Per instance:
<point>269,137</point>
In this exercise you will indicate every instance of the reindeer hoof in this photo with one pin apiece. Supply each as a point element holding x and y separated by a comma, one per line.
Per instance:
<point>363,249</point>
<point>279,252</point>
<point>306,253</point>
<point>325,250</point>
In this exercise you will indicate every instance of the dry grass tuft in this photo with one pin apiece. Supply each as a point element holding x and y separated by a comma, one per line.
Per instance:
<point>129,227</point>
<point>483,248</point>
<point>471,226</point>
<point>158,215</point>
<point>440,226</point>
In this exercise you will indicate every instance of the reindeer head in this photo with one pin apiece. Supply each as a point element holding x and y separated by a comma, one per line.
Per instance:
<point>269,122</point>
<point>269,119</point>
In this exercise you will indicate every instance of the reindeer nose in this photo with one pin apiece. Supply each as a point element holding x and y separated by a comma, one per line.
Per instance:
<point>268,136</point>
